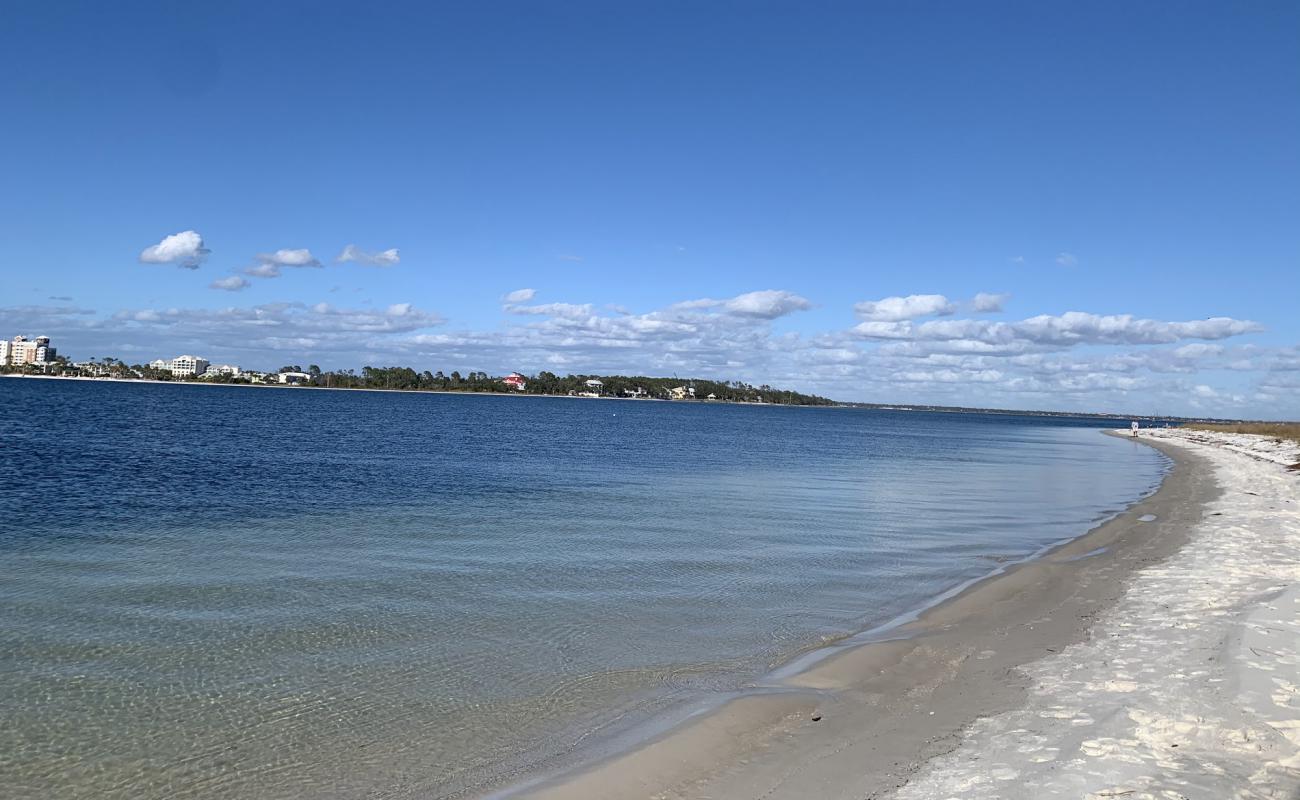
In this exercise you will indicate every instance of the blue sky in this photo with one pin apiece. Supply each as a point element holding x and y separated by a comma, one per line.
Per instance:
<point>1135,164</point>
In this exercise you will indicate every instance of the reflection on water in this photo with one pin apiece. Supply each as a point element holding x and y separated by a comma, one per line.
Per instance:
<point>229,593</point>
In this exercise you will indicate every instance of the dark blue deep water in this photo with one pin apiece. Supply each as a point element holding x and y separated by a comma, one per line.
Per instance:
<point>224,592</point>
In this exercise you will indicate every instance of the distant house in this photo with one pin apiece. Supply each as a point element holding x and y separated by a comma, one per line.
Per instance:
<point>677,393</point>
<point>214,370</point>
<point>515,381</point>
<point>595,385</point>
<point>294,378</point>
<point>711,396</point>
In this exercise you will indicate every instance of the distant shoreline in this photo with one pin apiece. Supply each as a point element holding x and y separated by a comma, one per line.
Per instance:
<point>405,391</point>
<point>1095,415</point>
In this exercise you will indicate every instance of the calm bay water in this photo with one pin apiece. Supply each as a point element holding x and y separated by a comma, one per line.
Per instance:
<point>211,592</point>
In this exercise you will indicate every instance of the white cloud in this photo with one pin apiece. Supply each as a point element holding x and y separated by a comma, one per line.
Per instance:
<point>766,304</point>
<point>1074,327</point>
<point>880,329</point>
<point>520,296</point>
<point>184,249</point>
<point>301,257</point>
<point>382,258</point>
<point>232,283</point>
<point>268,264</point>
<point>894,309</point>
<point>1198,350</point>
<point>986,303</point>
<point>263,270</point>
<point>1056,332</point>
<point>271,327</point>
<point>1067,259</point>
<point>569,310</point>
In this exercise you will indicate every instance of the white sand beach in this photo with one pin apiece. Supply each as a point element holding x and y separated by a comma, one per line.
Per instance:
<point>1190,686</point>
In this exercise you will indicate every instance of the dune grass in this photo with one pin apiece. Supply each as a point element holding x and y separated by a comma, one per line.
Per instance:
<point>1278,430</point>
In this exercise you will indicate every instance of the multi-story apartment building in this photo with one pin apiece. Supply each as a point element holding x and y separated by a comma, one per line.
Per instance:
<point>183,366</point>
<point>20,350</point>
<point>188,366</point>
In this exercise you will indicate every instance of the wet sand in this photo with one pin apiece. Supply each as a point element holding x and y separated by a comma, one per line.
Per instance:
<point>969,699</point>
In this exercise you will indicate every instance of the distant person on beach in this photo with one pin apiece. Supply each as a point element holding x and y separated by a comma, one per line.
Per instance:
<point>1133,426</point>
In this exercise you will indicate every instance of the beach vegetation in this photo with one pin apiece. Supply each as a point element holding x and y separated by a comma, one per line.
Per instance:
<point>1281,431</point>
<point>1289,431</point>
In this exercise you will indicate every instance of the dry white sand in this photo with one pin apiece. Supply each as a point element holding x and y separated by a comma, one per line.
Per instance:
<point>1189,687</point>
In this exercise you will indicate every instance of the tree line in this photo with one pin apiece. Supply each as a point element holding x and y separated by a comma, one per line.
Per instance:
<point>408,379</point>
<point>549,383</point>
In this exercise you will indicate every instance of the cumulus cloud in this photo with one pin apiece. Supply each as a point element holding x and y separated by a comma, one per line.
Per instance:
<point>232,283</point>
<point>766,304</point>
<point>893,309</point>
<point>263,270</point>
<point>270,329</point>
<point>1067,259</point>
<point>519,296</point>
<point>381,258</point>
<point>268,264</point>
<point>570,310</point>
<point>184,249</point>
<point>880,329</point>
<point>1198,350</point>
<point>986,303</point>
<point>1063,331</point>
<point>301,257</point>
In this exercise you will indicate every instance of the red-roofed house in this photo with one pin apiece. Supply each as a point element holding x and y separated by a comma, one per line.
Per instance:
<point>515,381</point>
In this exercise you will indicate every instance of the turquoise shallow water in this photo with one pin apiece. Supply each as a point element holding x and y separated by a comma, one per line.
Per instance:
<point>224,593</point>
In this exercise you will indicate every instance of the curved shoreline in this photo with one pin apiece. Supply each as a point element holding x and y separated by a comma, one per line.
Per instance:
<point>856,717</point>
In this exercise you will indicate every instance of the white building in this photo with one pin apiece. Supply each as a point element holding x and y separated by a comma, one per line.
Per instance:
<point>20,350</point>
<point>93,367</point>
<point>182,366</point>
<point>187,366</point>
<point>295,378</point>
<point>214,370</point>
